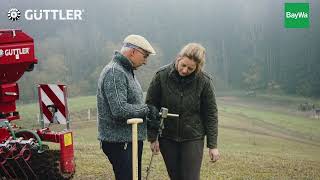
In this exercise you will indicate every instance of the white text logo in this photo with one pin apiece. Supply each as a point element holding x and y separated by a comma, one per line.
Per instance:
<point>54,14</point>
<point>296,15</point>
<point>14,52</point>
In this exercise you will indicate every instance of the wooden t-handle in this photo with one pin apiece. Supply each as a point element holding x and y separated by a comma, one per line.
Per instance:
<point>134,122</point>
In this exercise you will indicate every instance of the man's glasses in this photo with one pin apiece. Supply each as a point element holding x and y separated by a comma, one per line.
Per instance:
<point>144,54</point>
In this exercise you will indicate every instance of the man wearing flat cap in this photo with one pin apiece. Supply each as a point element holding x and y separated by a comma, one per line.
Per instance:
<point>119,98</point>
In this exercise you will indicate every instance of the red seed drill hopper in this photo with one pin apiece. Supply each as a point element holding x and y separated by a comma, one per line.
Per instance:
<point>23,154</point>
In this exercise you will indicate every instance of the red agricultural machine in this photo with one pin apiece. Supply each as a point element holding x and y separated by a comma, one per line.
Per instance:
<point>23,154</point>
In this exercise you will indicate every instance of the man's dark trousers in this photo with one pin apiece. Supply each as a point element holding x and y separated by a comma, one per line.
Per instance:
<point>120,156</point>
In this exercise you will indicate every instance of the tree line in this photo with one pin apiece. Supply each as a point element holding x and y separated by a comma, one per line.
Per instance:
<point>247,45</point>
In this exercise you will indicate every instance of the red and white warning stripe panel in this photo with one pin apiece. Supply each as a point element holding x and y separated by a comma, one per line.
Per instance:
<point>53,103</point>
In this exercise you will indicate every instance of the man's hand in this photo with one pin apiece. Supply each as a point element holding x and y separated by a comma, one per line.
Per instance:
<point>153,118</point>
<point>155,147</point>
<point>214,154</point>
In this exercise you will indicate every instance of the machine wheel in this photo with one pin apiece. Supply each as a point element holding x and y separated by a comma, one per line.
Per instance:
<point>46,165</point>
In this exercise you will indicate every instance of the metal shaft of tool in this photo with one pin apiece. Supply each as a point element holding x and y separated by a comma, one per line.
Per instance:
<point>151,160</point>
<point>163,114</point>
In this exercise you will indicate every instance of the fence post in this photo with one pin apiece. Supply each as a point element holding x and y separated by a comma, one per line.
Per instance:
<point>89,114</point>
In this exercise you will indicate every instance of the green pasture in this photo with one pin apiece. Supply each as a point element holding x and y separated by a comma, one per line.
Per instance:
<point>256,141</point>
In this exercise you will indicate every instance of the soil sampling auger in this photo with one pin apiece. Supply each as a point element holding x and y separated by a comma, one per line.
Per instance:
<point>22,152</point>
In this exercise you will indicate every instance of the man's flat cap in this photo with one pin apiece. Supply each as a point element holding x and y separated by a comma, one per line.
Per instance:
<point>140,42</point>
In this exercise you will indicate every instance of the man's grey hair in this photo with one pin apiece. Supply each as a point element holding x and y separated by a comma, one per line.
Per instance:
<point>125,49</point>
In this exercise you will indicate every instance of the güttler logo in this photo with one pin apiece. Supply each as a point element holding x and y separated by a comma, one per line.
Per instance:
<point>14,14</point>
<point>1,52</point>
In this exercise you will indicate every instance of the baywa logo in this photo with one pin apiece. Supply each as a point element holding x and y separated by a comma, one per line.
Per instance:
<point>296,15</point>
<point>14,14</point>
<point>47,14</point>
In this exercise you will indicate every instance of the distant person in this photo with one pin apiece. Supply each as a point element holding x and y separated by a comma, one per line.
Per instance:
<point>185,89</point>
<point>54,116</point>
<point>119,98</point>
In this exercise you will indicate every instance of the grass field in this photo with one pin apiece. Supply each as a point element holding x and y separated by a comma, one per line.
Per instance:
<point>259,138</point>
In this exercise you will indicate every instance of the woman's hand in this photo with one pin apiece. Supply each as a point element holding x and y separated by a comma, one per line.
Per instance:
<point>155,147</point>
<point>214,154</point>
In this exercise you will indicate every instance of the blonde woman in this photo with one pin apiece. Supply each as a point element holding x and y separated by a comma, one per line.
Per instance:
<point>185,89</point>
